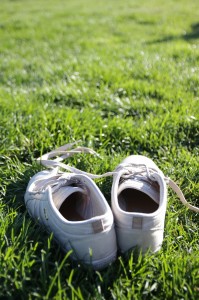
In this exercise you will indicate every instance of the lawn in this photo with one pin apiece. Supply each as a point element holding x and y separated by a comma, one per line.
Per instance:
<point>122,77</point>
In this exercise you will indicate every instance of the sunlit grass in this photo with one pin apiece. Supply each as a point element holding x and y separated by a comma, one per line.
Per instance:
<point>122,77</point>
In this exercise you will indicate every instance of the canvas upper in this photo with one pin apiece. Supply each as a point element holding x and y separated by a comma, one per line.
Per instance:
<point>73,208</point>
<point>139,199</point>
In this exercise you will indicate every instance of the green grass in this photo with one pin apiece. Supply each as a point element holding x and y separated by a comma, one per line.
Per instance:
<point>122,76</point>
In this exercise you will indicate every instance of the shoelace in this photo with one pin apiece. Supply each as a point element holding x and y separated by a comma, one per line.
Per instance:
<point>63,152</point>
<point>137,170</point>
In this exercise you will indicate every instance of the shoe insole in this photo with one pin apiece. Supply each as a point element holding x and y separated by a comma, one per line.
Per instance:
<point>132,200</point>
<point>68,208</point>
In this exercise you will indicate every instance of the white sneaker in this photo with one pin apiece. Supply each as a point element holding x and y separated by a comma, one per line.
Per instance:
<point>72,207</point>
<point>139,200</point>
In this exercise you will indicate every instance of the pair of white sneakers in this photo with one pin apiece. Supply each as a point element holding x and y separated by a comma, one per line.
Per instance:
<point>70,205</point>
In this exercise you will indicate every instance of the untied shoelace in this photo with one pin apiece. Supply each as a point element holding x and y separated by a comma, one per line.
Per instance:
<point>63,152</point>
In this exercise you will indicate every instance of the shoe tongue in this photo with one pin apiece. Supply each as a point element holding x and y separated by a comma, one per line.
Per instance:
<point>145,187</point>
<point>64,192</point>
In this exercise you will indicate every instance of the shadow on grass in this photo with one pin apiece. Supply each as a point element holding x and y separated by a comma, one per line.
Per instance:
<point>193,34</point>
